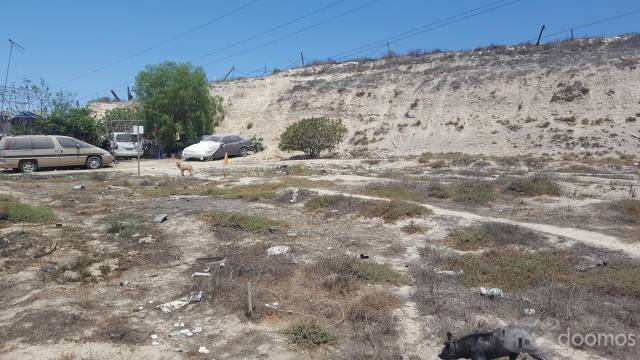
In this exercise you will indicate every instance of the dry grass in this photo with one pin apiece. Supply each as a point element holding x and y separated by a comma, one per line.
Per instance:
<point>341,272</point>
<point>493,235</point>
<point>628,210</point>
<point>536,185</point>
<point>243,222</point>
<point>412,228</point>
<point>125,224</point>
<point>13,211</point>
<point>466,192</point>
<point>308,333</point>
<point>391,211</point>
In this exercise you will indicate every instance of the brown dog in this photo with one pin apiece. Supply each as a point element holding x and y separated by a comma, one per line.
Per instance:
<point>184,167</point>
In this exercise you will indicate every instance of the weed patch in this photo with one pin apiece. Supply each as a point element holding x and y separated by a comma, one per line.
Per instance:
<point>124,224</point>
<point>248,223</point>
<point>308,333</point>
<point>492,235</point>
<point>536,185</point>
<point>391,211</point>
<point>17,212</point>
<point>628,210</point>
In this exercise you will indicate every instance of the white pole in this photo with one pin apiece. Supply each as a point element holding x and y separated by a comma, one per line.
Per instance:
<point>137,131</point>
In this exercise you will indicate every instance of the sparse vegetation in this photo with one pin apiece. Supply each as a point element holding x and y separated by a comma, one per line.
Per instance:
<point>248,223</point>
<point>413,228</point>
<point>627,209</point>
<point>391,211</point>
<point>124,224</point>
<point>356,269</point>
<point>536,185</point>
<point>16,212</point>
<point>308,333</point>
<point>493,235</point>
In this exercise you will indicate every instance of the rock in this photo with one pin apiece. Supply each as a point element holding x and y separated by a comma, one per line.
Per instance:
<point>491,292</point>
<point>160,218</point>
<point>78,187</point>
<point>278,250</point>
<point>292,234</point>
<point>295,194</point>
<point>203,350</point>
<point>71,275</point>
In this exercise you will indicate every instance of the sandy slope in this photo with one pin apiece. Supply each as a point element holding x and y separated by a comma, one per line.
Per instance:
<point>493,101</point>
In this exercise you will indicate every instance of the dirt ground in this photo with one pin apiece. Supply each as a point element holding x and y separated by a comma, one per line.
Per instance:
<point>374,253</point>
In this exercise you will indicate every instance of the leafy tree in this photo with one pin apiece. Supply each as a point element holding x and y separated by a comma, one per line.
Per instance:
<point>175,99</point>
<point>312,136</point>
<point>78,123</point>
<point>122,118</point>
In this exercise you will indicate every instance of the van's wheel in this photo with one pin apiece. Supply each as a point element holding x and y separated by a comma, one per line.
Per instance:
<point>27,166</point>
<point>94,162</point>
<point>243,151</point>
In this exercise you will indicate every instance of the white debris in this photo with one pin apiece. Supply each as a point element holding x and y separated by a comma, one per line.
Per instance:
<point>178,324</point>
<point>274,305</point>
<point>530,312</point>
<point>450,272</point>
<point>155,343</point>
<point>196,329</point>
<point>278,250</point>
<point>203,350</point>
<point>154,336</point>
<point>491,292</point>
<point>78,187</point>
<point>194,297</point>
<point>196,274</point>
<point>186,332</point>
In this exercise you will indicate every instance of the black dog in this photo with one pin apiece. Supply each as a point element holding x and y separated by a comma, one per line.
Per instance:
<point>488,346</point>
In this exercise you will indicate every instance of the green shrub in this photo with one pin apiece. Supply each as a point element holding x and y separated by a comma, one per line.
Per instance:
<point>473,192</point>
<point>249,223</point>
<point>413,228</point>
<point>492,234</point>
<point>536,185</point>
<point>249,126</point>
<point>312,136</point>
<point>322,201</point>
<point>392,210</point>
<point>124,224</point>
<point>308,333</point>
<point>15,212</point>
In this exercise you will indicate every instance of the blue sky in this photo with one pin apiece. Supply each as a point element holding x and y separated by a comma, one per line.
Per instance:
<point>65,39</point>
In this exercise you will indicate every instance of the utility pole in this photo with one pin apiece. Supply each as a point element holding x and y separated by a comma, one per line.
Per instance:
<point>265,70</point>
<point>6,75</point>
<point>540,36</point>
<point>302,58</point>
<point>388,49</point>
<point>571,34</point>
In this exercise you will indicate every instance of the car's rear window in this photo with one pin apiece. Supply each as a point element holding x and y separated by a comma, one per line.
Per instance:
<point>125,138</point>
<point>18,144</point>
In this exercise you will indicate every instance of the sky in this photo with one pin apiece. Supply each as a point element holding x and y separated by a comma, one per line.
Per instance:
<point>90,47</point>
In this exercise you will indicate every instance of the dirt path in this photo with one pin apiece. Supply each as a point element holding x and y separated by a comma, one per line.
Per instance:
<point>587,237</point>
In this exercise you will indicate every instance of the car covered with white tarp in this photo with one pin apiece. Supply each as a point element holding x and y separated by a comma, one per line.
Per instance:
<point>215,146</point>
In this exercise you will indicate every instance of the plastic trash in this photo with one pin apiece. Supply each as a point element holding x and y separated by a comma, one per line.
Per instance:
<point>450,272</point>
<point>278,250</point>
<point>491,292</point>
<point>160,218</point>
<point>197,274</point>
<point>203,350</point>
<point>529,312</point>
<point>174,305</point>
<point>78,187</point>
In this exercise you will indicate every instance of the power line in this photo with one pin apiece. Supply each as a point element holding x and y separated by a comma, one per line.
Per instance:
<point>269,30</point>
<point>291,34</point>
<point>162,43</point>
<point>429,27</point>
<point>591,24</point>
<point>294,33</point>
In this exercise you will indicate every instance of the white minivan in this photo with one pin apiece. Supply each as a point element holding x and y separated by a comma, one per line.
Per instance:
<point>125,145</point>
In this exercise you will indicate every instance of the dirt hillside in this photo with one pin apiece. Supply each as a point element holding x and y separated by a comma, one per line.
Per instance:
<point>568,97</point>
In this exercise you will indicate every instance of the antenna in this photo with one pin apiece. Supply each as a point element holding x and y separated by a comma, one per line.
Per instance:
<point>6,75</point>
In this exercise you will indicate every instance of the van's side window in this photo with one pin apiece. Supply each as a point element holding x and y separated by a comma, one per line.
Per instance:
<point>18,144</point>
<point>66,143</point>
<point>42,143</point>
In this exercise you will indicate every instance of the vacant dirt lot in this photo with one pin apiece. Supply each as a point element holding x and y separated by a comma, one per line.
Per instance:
<point>349,259</point>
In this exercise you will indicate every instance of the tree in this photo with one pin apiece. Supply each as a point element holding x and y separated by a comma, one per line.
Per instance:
<point>78,123</point>
<point>122,118</point>
<point>312,136</point>
<point>175,99</point>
